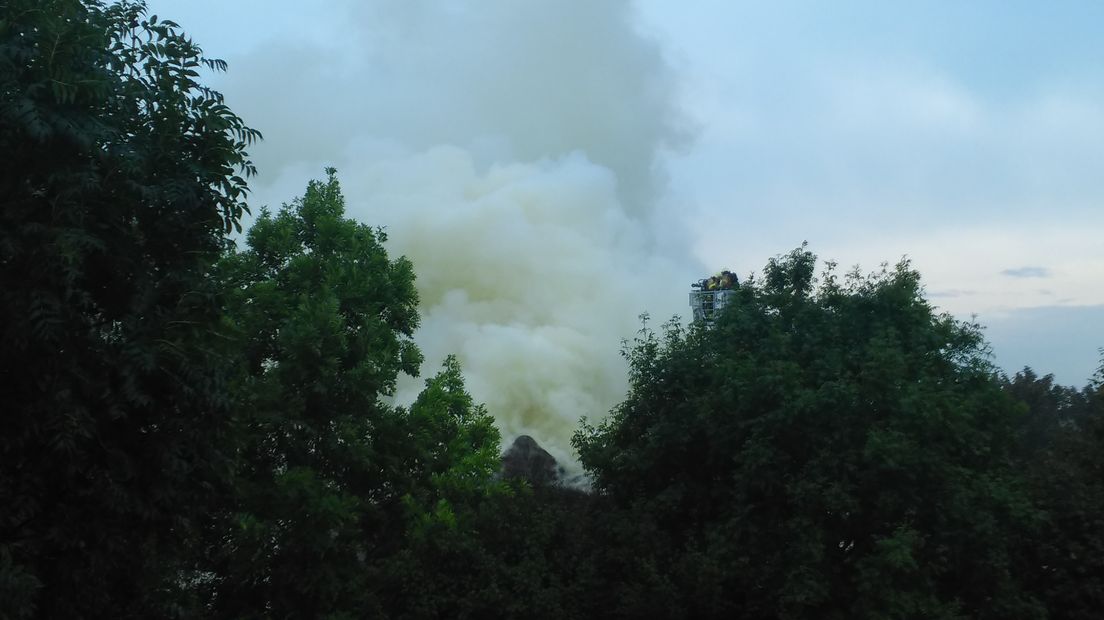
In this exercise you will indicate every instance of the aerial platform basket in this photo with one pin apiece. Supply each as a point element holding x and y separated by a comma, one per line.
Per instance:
<point>706,306</point>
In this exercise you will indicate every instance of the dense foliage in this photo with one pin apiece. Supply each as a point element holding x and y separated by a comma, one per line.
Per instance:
<point>118,184</point>
<point>828,449</point>
<point>328,476</point>
<point>190,429</point>
<point>1062,457</point>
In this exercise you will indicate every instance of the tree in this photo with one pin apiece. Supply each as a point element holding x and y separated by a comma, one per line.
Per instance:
<point>120,179</point>
<point>332,483</point>
<point>1050,409</point>
<point>1062,454</point>
<point>828,449</point>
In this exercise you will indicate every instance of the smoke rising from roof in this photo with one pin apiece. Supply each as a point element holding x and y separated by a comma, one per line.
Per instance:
<point>510,151</point>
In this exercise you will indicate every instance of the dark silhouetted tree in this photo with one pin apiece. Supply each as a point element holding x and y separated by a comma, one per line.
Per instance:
<point>829,449</point>
<point>1062,454</point>
<point>120,180</point>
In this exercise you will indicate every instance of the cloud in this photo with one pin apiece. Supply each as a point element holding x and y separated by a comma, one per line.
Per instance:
<point>1027,272</point>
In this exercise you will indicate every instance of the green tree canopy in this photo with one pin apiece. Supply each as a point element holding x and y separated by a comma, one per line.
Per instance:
<point>333,482</point>
<point>1062,453</point>
<point>829,449</point>
<point>120,178</point>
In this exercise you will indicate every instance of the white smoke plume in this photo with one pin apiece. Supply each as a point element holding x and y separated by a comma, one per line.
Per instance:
<point>510,151</point>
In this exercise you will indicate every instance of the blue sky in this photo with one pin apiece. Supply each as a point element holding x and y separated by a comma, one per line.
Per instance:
<point>968,136</point>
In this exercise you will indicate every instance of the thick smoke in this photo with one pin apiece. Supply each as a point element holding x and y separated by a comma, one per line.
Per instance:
<point>510,151</point>
<point>531,272</point>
